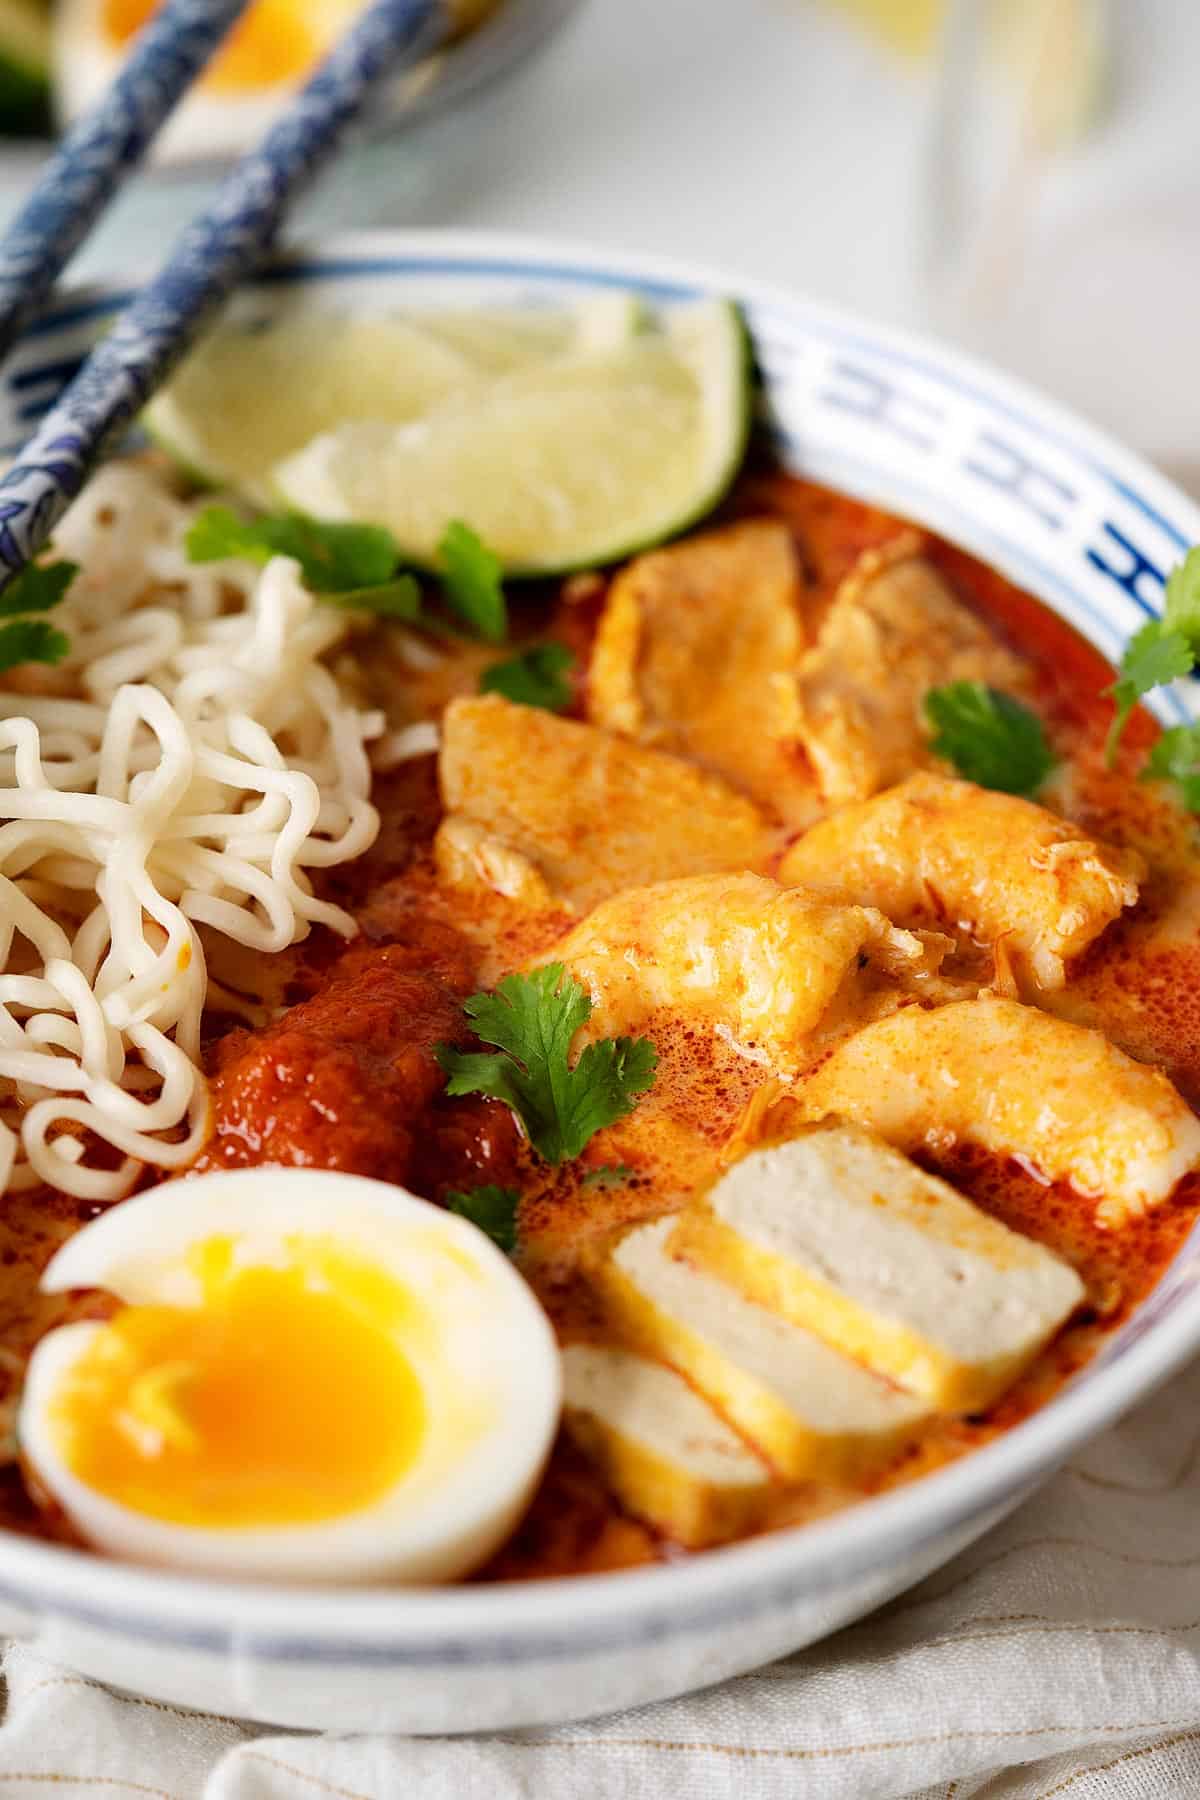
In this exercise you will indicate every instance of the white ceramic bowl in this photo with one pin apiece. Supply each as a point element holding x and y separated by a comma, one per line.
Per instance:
<point>1051,502</point>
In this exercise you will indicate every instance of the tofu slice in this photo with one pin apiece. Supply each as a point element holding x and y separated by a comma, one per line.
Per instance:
<point>1002,868</point>
<point>815,1414</point>
<point>547,809</point>
<point>842,1234</point>
<point>664,1453</point>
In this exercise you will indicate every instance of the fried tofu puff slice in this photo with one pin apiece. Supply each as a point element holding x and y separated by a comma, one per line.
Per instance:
<point>840,1234</point>
<point>697,651</point>
<point>548,811</point>
<point>816,1414</point>
<point>761,965</point>
<point>1003,870</point>
<point>1018,1082</point>
<point>894,630</point>
<point>666,1455</point>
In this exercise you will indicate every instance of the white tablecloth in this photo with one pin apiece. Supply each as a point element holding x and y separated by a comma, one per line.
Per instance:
<point>1062,1649</point>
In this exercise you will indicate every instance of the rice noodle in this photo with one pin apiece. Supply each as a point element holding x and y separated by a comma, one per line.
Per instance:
<point>185,766</point>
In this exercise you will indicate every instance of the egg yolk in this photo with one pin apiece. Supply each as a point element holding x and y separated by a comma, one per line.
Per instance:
<point>283,1399</point>
<point>276,40</point>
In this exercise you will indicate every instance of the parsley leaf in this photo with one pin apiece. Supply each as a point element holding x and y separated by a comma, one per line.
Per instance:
<point>37,588</point>
<point>493,1209</point>
<point>471,578</point>
<point>1153,655</point>
<point>535,678</point>
<point>1176,757</point>
<point>1181,611</point>
<point>988,736</point>
<point>531,1020</point>
<point>31,640</point>
<point>349,565</point>
<point>608,1175</point>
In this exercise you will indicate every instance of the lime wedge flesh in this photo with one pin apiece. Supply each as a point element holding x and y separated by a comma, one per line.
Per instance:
<point>562,464</point>
<point>254,392</point>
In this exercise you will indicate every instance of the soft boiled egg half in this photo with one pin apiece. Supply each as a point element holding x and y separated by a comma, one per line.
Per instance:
<point>309,1377</point>
<point>263,60</point>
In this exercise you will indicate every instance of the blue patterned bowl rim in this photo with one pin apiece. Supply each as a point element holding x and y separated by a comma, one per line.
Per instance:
<point>898,420</point>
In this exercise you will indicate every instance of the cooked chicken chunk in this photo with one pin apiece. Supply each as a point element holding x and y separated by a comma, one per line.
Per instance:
<point>665,1454</point>
<point>762,965</point>
<point>1018,1082</point>
<point>894,631</point>
<point>999,868</point>
<point>839,1233</point>
<point>546,809</point>
<point>697,653</point>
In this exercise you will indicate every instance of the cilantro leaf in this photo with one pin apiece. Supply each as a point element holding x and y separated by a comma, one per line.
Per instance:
<point>1153,655</point>
<point>37,588</point>
<point>1181,611</point>
<point>493,1209</point>
<point>531,1020</point>
<point>349,565</point>
<point>535,678</point>
<point>31,640</point>
<point>1176,757</point>
<point>988,736</point>
<point>471,578</point>
<point>608,1175</point>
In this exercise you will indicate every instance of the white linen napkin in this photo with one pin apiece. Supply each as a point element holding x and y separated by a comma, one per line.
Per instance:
<point>1059,1656</point>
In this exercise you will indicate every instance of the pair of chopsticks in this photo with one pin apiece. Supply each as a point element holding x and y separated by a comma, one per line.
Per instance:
<point>214,253</point>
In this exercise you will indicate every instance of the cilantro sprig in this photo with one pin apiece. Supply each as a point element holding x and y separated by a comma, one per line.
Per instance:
<point>1153,655</point>
<point>358,566</point>
<point>492,1208</point>
<point>1176,757</point>
<point>471,580</point>
<point>1163,650</point>
<point>537,677</point>
<point>990,737</point>
<point>351,565</point>
<point>37,589</point>
<point>530,1021</point>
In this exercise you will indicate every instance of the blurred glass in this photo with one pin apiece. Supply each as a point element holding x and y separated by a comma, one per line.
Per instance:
<point>1060,196</point>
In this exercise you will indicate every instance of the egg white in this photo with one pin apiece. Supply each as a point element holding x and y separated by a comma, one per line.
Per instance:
<point>490,1374</point>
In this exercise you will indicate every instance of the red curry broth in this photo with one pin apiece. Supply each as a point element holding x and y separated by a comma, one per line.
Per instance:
<point>347,1079</point>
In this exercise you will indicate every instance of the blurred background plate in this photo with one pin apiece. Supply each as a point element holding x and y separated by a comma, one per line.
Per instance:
<point>57,57</point>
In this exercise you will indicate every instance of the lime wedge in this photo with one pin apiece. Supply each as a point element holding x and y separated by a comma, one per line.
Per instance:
<point>24,67</point>
<point>569,462</point>
<point>499,340</point>
<point>252,393</point>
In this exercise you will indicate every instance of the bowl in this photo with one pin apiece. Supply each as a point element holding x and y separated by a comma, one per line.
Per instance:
<point>1061,509</point>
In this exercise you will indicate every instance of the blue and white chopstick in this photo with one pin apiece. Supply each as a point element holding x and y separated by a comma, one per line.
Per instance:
<point>219,247</point>
<point>85,171</point>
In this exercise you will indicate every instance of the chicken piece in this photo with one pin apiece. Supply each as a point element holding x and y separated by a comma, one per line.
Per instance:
<point>815,1414</point>
<point>841,1234</point>
<point>1018,1082</point>
<point>761,965</point>
<point>894,631</point>
<point>666,1456</point>
<point>697,652</point>
<point>586,812</point>
<point>989,864</point>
